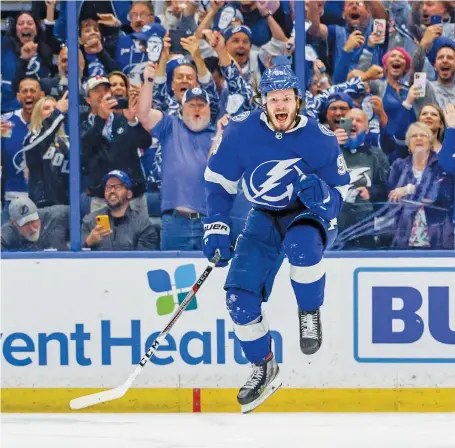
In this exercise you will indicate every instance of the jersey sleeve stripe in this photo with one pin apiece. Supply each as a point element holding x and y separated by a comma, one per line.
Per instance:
<point>228,185</point>
<point>51,129</point>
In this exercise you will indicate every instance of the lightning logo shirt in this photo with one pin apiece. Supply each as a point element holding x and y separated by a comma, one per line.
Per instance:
<point>270,164</point>
<point>13,154</point>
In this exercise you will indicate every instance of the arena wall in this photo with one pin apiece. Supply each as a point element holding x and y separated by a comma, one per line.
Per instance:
<point>72,326</point>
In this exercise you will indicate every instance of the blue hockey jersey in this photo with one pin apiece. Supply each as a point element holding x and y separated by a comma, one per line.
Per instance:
<point>13,154</point>
<point>271,164</point>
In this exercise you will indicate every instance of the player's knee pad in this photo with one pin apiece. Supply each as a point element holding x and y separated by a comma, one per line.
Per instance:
<point>243,306</point>
<point>328,229</point>
<point>245,310</point>
<point>304,247</point>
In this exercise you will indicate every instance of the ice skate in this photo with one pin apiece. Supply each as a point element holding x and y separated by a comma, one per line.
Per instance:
<point>263,382</point>
<point>310,330</point>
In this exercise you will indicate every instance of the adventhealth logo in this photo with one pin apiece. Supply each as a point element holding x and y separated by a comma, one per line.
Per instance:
<point>175,288</point>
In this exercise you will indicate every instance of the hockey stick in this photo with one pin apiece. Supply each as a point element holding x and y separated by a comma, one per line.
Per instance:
<point>118,392</point>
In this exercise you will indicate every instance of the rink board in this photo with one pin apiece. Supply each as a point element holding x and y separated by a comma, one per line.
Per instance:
<point>72,326</point>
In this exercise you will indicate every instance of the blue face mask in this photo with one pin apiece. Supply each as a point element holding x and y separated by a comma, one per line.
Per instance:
<point>355,142</point>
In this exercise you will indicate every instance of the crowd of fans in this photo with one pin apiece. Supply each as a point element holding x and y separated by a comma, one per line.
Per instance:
<point>380,75</point>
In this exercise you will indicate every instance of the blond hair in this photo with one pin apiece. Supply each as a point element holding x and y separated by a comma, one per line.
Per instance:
<point>36,121</point>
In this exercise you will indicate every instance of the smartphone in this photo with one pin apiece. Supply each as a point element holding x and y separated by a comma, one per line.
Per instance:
<point>346,124</point>
<point>122,103</point>
<point>379,28</point>
<point>176,46</point>
<point>436,20</point>
<point>282,60</point>
<point>420,79</point>
<point>103,220</point>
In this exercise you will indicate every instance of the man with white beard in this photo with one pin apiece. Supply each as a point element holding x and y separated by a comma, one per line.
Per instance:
<point>30,228</point>
<point>185,142</point>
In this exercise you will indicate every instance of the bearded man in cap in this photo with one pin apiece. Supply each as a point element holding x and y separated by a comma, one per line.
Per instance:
<point>31,229</point>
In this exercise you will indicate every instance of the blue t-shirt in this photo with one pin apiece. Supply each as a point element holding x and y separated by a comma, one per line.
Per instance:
<point>184,159</point>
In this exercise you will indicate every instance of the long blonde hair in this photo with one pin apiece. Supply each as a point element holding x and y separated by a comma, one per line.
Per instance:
<point>36,121</point>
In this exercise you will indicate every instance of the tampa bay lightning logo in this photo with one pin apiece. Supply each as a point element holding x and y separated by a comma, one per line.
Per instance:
<point>272,183</point>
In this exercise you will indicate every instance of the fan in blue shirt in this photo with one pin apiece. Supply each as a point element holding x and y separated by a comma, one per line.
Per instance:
<point>185,142</point>
<point>14,130</point>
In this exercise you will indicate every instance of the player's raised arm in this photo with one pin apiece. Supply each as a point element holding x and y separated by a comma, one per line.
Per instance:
<point>148,117</point>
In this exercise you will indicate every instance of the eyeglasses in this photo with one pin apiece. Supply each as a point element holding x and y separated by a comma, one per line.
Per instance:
<point>286,100</point>
<point>115,187</point>
<point>142,15</point>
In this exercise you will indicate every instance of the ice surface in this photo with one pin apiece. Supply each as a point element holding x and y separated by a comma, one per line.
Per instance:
<point>228,430</point>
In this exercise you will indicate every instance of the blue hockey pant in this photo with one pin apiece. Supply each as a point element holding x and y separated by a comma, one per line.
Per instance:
<point>259,253</point>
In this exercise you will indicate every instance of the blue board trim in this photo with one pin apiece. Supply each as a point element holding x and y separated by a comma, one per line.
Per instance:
<point>189,254</point>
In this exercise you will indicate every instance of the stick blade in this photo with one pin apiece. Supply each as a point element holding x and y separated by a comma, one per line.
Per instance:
<point>97,398</point>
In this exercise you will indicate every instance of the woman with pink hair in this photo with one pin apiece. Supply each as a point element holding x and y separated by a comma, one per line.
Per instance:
<point>394,89</point>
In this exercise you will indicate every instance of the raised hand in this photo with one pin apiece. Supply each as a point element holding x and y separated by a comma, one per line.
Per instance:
<point>150,72</point>
<point>93,45</point>
<point>191,44</point>
<point>130,113</point>
<point>62,104</point>
<point>28,50</point>
<point>414,92</point>
<point>355,40</point>
<point>96,235</point>
<point>377,104</point>
<point>341,135</point>
<point>431,33</point>
<point>109,20</point>
<point>105,106</point>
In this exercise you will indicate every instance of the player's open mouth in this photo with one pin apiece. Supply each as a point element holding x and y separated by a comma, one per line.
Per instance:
<point>444,70</point>
<point>355,16</point>
<point>29,102</point>
<point>281,118</point>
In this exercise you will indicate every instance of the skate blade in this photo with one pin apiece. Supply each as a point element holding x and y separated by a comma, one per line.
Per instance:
<point>269,390</point>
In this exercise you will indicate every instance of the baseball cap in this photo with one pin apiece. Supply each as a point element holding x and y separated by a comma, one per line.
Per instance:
<point>23,211</point>
<point>95,81</point>
<point>229,32</point>
<point>148,31</point>
<point>195,92</point>
<point>121,176</point>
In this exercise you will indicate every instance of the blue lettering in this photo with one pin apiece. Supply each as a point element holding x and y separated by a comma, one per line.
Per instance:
<point>439,314</point>
<point>277,341</point>
<point>220,347</point>
<point>79,336</point>
<point>107,342</point>
<point>8,349</point>
<point>239,357</point>
<point>170,347</point>
<point>384,315</point>
<point>206,357</point>
<point>43,339</point>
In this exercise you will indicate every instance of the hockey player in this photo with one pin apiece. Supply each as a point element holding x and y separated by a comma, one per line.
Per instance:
<point>292,172</point>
